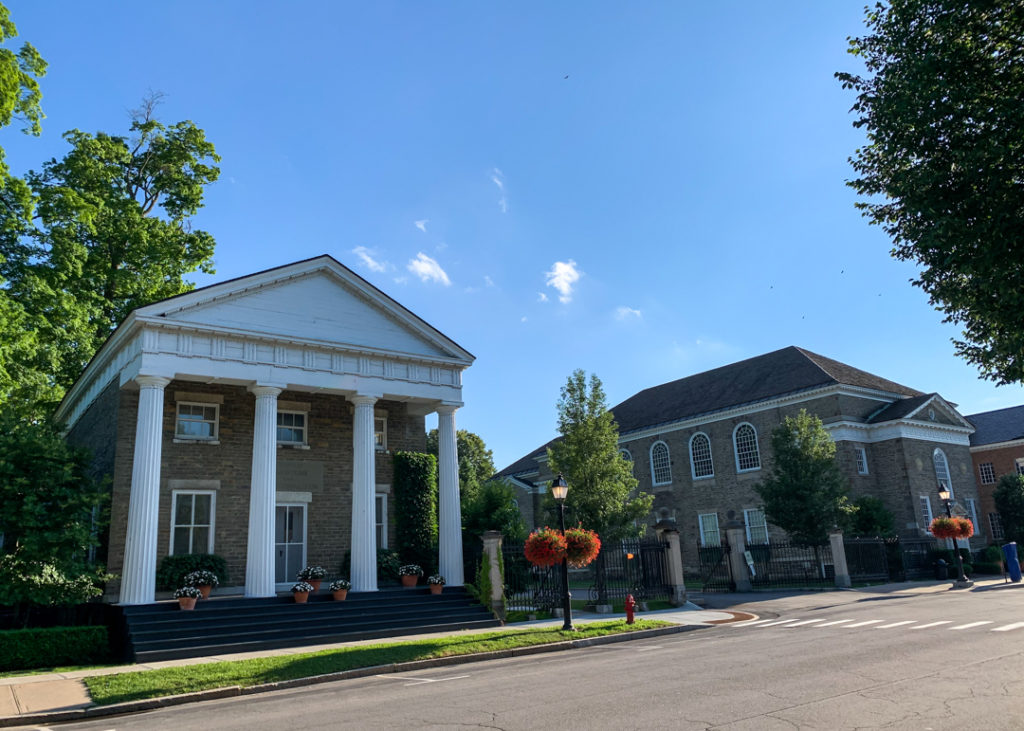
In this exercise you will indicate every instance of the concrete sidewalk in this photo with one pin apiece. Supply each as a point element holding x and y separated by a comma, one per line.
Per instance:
<point>28,696</point>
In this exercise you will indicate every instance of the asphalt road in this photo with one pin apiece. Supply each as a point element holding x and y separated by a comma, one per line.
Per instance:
<point>838,660</point>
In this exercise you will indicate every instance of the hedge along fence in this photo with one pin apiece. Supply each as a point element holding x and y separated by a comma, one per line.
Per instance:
<point>24,649</point>
<point>415,484</point>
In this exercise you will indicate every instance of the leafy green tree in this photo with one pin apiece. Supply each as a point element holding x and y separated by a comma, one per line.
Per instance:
<point>601,484</point>
<point>805,493</point>
<point>1009,499</point>
<point>942,168</point>
<point>493,507</point>
<point>415,485</point>
<point>476,462</point>
<point>872,518</point>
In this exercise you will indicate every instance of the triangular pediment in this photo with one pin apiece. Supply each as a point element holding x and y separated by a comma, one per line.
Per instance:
<point>937,410</point>
<point>321,302</point>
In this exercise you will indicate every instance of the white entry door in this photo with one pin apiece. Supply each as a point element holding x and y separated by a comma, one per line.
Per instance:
<point>290,540</point>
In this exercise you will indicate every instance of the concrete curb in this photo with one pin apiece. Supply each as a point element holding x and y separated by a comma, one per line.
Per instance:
<point>150,704</point>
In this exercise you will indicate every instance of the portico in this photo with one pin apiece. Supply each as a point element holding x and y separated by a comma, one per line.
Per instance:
<point>307,363</point>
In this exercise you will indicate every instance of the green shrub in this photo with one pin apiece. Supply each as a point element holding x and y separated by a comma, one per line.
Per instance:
<point>23,649</point>
<point>988,567</point>
<point>387,564</point>
<point>172,571</point>
<point>415,485</point>
<point>992,554</point>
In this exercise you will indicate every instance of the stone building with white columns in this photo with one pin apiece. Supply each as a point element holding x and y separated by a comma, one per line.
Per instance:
<point>256,419</point>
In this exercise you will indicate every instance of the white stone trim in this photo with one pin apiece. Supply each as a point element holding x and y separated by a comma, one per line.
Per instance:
<point>998,445</point>
<point>851,431</point>
<point>284,496</point>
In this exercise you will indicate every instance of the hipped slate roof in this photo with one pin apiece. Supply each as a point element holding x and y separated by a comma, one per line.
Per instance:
<point>786,371</point>
<point>1002,425</point>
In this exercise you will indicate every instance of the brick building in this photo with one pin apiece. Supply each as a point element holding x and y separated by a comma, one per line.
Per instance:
<point>997,449</point>
<point>256,419</point>
<point>701,443</point>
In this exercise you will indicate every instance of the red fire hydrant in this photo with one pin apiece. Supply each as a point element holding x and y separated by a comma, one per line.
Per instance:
<point>630,603</point>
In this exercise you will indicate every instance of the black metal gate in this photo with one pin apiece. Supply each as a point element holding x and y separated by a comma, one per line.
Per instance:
<point>715,571</point>
<point>867,559</point>
<point>784,564</point>
<point>632,566</point>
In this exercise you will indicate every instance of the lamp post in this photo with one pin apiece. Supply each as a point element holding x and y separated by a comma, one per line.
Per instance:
<point>946,498</point>
<point>559,490</point>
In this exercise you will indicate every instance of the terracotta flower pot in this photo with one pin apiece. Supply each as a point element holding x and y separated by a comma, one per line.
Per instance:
<point>339,595</point>
<point>315,583</point>
<point>301,597</point>
<point>436,588</point>
<point>206,589</point>
<point>187,603</point>
<point>409,580</point>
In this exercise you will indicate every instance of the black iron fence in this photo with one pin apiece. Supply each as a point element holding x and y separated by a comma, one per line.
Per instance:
<point>715,571</point>
<point>867,559</point>
<point>785,564</point>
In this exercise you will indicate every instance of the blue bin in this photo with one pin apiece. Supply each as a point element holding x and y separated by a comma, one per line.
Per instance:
<point>1012,564</point>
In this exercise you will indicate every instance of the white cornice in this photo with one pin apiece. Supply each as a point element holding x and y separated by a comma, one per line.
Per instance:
<point>852,431</point>
<point>998,445</point>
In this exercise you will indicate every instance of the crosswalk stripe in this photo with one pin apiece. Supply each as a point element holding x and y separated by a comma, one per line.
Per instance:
<point>1008,627</point>
<point>838,621</point>
<point>784,621</point>
<point>933,624</point>
<point>749,624</point>
<point>897,624</point>
<point>864,623</point>
<point>972,624</point>
<point>806,621</point>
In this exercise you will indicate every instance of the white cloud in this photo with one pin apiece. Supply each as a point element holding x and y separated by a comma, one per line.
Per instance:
<point>541,297</point>
<point>428,270</point>
<point>523,319</point>
<point>488,281</point>
<point>624,313</point>
<point>401,280</point>
<point>422,224</point>
<point>372,264</point>
<point>562,277</point>
<point>498,178</point>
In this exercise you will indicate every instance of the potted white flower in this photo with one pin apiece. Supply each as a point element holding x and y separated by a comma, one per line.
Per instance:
<point>301,592</point>
<point>187,596</point>
<point>409,574</point>
<point>313,575</point>
<point>436,583</point>
<point>339,589</point>
<point>203,580</point>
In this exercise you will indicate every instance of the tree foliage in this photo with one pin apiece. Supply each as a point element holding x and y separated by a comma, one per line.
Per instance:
<point>601,483</point>
<point>476,462</point>
<point>415,484</point>
<point>942,168</point>
<point>493,507</point>
<point>872,518</point>
<point>805,493</point>
<point>1009,500</point>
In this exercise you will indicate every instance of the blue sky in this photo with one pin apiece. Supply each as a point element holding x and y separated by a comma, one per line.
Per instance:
<point>642,190</point>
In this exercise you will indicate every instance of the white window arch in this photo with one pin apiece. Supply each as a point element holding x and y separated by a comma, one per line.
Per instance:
<point>661,465</point>
<point>942,470</point>
<point>628,456</point>
<point>701,464</point>
<point>744,441</point>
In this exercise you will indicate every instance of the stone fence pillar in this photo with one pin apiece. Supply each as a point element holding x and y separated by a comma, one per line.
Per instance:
<point>667,531</point>
<point>736,536</point>
<point>835,538</point>
<point>492,565</point>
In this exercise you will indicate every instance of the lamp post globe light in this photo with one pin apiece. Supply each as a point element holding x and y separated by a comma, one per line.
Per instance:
<point>947,499</point>
<point>560,490</point>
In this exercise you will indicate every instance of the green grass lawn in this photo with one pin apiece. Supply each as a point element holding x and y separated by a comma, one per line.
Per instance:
<point>107,689</point>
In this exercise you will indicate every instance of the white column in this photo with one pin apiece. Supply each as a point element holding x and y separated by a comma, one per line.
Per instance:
<point>364,487</point>
<point>138,576</point>
<point>259,561</point>
<point>449,510</point>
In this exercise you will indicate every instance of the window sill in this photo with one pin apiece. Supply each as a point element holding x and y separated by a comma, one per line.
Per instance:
<point>179,440</point>
<point>292,446</point>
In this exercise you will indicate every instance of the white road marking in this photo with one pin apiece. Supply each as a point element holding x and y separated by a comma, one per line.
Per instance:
<point>1008,627</point>
<point>864,623</point>
<point>749,623</point>
<point>806,621</point>
<point>897,624</point>
<point>972,624</point>
<point>783,621</point>
<point>933,624</point>
<point>648,647</point>
<point>838,621</point>
<point>420,681</point>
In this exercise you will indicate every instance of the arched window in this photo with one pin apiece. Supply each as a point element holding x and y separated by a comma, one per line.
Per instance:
<point>628,456</point>
<point>744,439</point>
<point>661,467</point>
<point>942,470</point>
<point>700,456</point>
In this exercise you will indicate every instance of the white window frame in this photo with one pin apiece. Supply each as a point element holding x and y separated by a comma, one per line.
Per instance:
<point>987,476</point>
<point>174,512</point>
<point>380,517</point>
<point>862,459</point>
<point>305,427</point>
<point>925,509</point>
<point>939,457</point>
<point>380,444</point>
<point>628,456</point>
<point>736,448</point>
<point>693,460</point>
<point>702,518</point>
<point>747,513</point>
<point>1019,465</point>
<point>668,464</point>
<point>291,502</point>
<point>972,509</point>
<point>191,437</point>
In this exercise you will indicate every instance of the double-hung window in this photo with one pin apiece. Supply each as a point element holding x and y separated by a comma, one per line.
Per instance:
<point>381,519</point>
<point>757,526</point>
<point>748,457</point>
<point>987,473</point>
<point>926,510</point>
<point>995,522</point>
<point>196,421</point>
<point>291,427</point>
<point>661,465</point>
<point>709,535</point>
<point>192,521</point>
<point>862,460</point>
<point>700,456</point>
<point>380,431</point>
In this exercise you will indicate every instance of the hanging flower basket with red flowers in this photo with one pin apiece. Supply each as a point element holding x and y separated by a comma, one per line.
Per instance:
<point>943,527</point>
<point>545,547</point>
<point>581,546</point>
